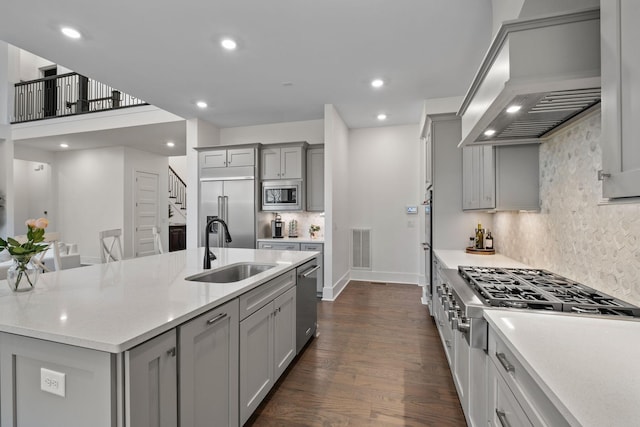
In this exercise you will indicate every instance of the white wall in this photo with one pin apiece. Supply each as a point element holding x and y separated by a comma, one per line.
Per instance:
<point>199,134</point>
<point>6,145</point>
<point>34,193</point>
<point>311,131</point>
<point>336,200</point>
<point>142,161</point>
<point>384,178</point>
<point>90,196</point>
<point>179,165</point>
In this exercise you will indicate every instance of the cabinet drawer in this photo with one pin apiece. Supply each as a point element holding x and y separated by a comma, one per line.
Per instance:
<point>537,406</point>
<point>311,247</point>
<point>505,410</point>
<point>263,294</point>
<point>279,246</point>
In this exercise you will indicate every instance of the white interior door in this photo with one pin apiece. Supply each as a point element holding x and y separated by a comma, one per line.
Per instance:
<point>145,212</point>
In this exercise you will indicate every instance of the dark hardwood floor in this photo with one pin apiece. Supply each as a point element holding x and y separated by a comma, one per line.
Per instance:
<point>377,362</point>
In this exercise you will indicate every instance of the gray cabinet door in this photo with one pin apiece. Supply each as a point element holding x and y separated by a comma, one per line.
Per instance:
<point>478,183</point>
<point>291,163</point>
<point>213,159</point>
<point>270,163</point>
<point>240,157</point>
<point>209,368</point>
<point>620,106</point>
<point>315,179</point>
<point>151,383</point>
<point>256,360</point>
<point>284,331</point>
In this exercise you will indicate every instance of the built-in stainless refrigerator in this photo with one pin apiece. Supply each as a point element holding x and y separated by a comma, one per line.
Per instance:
<point>234,201</point>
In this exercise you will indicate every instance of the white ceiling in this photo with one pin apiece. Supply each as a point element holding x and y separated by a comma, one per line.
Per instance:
<point>167,53</point>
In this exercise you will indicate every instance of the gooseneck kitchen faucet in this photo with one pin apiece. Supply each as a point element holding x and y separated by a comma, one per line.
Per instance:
<point>208,255</point>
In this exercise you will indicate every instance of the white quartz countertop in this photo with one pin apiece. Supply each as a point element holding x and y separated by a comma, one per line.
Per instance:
<point>116,306</point>
<point>588,367</point>
<point>292,240</point>
<point>454,258</point>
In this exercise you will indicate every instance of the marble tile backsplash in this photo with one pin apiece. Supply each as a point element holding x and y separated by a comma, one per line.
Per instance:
<point>574,235</point>
<point>305,219</point>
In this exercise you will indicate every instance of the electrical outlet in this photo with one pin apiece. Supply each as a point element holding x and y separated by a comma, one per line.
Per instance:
<point>52,382</point>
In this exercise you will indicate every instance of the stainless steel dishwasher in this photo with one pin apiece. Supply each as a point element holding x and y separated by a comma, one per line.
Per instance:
<point>306,302</point>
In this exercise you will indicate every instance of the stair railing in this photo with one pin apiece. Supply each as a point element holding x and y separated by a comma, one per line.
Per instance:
<point>177,189</point>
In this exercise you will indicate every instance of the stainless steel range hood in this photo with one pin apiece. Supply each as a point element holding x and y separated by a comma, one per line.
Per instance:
<point>538,73</point>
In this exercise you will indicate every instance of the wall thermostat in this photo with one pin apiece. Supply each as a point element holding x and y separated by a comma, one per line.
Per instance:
<point>412,209</point>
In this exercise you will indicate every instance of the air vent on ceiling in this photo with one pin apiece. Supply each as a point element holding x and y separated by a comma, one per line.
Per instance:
<point>361,248</point>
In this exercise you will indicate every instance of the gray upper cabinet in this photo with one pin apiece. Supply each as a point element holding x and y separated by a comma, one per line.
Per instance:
<point>478,170</point>
<point>283,161</point>
<point>219,162</point>
<point>209,368</point>
<point>315,178</point>
<point>227,158</point>
<point>620,108</point>
<point>501,177</point>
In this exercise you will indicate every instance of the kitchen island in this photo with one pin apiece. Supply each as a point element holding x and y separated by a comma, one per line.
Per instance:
<point>88,324</point>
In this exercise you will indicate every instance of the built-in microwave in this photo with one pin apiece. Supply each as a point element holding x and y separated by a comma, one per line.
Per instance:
<point>282,196</point>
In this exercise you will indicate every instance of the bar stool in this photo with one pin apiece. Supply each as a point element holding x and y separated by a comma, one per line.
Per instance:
<point>112,252</point>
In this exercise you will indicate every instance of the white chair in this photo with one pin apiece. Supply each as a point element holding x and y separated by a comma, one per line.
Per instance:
<point>52,239</point>
<point>108,251</point>
<point>157,242</point>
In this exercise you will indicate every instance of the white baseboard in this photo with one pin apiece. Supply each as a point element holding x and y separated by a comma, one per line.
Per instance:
<point>330,294</point>
<point>384,276</point>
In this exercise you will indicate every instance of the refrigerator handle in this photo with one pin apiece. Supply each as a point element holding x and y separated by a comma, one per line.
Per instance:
<point>226,216</point>
<point>220,215</point>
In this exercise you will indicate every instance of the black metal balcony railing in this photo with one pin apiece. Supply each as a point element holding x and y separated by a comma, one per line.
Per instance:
<point>66,95</point>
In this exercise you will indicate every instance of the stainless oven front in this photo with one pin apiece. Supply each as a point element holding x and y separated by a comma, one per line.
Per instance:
<point>282,196</point>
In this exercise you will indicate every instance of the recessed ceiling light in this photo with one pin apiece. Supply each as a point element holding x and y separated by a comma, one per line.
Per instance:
<point>201,104</point>
<point>228,44</point>
<point>64,145</point>
<point>377,83</point>
<point>72,33</point>
<point>489,132</point>
<point>171,144</point>
<point>382,116</point>
<point>513,108</point>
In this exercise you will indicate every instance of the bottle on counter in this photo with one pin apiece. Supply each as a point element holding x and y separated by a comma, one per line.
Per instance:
<point>488,241</point>
<point>479,237</point>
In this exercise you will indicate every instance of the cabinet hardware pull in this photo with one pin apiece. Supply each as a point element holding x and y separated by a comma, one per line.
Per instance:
<point>448,343</point>
<point>172,352</point>
<point>308,272</point>
<point>502,417</point>
<point>505,363</point>
<point>307,332</point>
<point>215,319</point>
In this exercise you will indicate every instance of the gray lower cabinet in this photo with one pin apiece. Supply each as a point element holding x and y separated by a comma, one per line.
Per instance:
<point>151,386</point>
<point>208,368</point>
<point>267,346</point>
<point>88,392</point>
<point>294,246</point>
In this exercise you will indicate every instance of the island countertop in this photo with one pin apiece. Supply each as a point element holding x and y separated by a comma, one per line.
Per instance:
<point>116,306</point>
<point>588,367</point>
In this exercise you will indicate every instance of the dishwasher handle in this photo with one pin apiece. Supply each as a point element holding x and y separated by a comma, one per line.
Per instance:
<point>310,271</point>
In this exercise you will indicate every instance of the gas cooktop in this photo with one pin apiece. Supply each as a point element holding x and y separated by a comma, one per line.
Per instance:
<point>541,290</point>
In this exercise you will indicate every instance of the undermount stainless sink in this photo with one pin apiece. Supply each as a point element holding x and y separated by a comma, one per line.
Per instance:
<point>231,273</point>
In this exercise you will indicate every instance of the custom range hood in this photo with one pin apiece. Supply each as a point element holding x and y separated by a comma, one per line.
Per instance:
<point>538,73</point>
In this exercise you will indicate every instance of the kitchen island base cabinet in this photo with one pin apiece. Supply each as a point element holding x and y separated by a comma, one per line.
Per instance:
<point>267,346</point>
<point>151,386</point>
<point>88,398</point>
<point>208,368</point>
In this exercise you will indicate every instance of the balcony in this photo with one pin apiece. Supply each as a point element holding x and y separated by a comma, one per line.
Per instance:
<point>66,95</point>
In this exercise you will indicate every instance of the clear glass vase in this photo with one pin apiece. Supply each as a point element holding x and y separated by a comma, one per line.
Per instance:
<point>22,275</point>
